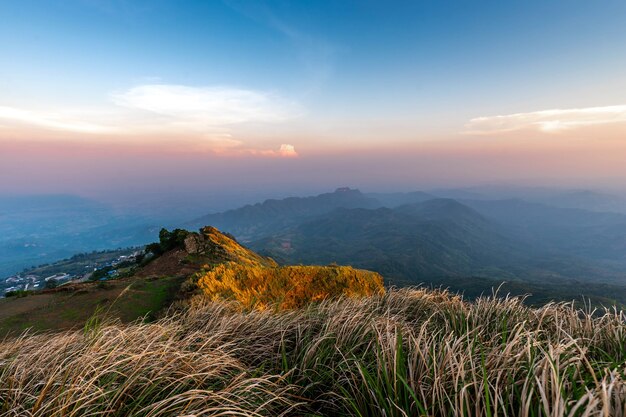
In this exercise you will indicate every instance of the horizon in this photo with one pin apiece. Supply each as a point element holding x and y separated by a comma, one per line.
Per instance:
<point>124,97</point>
<point>177,208</point>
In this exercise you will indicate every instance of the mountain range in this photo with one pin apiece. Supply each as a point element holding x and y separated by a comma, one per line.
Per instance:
<point>413,238</point>
<point>465,239</point>
<point>262,219</point>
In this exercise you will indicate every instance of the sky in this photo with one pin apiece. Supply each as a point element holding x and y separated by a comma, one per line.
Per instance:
<point>119,97</point>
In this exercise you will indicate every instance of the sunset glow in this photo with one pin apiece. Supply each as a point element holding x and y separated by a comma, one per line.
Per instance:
<point>352,92</point>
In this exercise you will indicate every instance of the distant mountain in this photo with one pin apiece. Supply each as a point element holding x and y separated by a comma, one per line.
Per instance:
<point>412,236</point>
<point>457,193</point>
<point>272,216</point>
<point>581,233</point>
<point>557,197</point>
<point>392,200</point>
<point>439,237</point>
<point>428,241</point>
<point>445,209</point>
<point>587,200</point>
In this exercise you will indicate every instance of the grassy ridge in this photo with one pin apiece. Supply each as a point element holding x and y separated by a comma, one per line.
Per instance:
<point>407,352</point>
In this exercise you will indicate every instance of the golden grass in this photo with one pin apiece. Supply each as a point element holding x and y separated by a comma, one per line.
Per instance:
<point>143,369</point>
<point>408,352</point>
<point>228,248</point>
<point>286,287</point>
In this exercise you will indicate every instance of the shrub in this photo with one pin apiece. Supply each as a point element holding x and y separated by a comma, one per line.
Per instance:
<point>18,293</point>
<point>167,241</point>
<point>52,283</point>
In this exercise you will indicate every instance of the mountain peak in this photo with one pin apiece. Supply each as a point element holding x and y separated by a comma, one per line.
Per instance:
<point>342,190</point>
<point>181,253</point>
<point>222,247</point>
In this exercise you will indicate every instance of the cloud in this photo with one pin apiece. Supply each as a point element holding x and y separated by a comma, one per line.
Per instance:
<point>200,107</point>
<point>547,121</point>
<point>205,117</point>
<point>287,150</point>
<point>60,121</point>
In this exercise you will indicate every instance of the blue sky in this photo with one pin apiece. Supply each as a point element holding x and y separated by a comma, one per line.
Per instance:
<point>318,76</point>
<point>394,51</point>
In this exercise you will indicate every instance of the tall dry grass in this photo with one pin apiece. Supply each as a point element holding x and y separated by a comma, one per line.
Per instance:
<point>409,352</point>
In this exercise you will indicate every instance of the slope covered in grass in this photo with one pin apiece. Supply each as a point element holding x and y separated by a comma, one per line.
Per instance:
<point>408,352</point>
<point>69,307</point>
<point>258,282</point>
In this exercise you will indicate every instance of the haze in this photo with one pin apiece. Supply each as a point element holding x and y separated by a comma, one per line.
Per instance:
<point>121,100</point>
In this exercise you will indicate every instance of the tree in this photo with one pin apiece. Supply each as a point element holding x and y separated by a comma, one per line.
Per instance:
<point>167,241</point>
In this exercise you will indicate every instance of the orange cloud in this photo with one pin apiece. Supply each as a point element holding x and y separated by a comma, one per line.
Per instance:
<point>285,151</point>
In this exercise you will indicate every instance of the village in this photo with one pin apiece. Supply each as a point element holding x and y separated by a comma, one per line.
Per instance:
<point>66,271</point>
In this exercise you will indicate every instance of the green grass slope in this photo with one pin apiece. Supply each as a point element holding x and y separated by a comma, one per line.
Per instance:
<point>126,300</point>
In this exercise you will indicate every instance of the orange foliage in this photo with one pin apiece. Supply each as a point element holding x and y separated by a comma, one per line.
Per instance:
<point>286,287</point>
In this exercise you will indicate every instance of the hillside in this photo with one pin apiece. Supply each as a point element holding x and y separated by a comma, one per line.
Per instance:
<point>77,267</point>
<point>207,327</point>
<point>439,237</point>
<point>409,352</point>
<point>287,287</point>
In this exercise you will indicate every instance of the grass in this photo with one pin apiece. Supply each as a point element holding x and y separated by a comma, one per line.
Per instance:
<point>285,287</point>
<point>410,352</point>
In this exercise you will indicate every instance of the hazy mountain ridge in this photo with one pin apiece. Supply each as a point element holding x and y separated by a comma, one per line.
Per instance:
<point>392,200</point>
<point>408,244</point>
<point>589,200</point>
<point>254,221</point>
<point>592,235</point>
